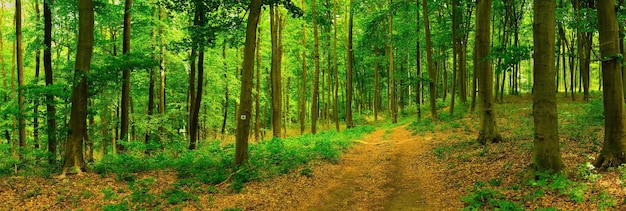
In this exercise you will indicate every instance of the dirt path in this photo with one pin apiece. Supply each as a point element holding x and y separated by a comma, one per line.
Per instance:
<point>386,172</point>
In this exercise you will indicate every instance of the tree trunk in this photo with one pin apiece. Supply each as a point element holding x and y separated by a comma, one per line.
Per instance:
<point>7,134</point>
<point>336,69</point>
<point>20,75</point>
<point>152,81</point>
<point>276,76</point>
<point>546,152</point>
<point>226,93</point>
<point>126,75</point>
<point>432,72</point>
<point>36,100</point>
<point>243,122</point>
<point>316,79</point>
<point>455,52</point>
<point>349,64</point>
<point>394,106</point>
<point>78,114</point>
<point>162,78</point>
<point>418,65</point>
<point>377,97</point>
<point>488,131</point>
<point>613,152</point>
<point>257,125</point>
<point>302,105</point>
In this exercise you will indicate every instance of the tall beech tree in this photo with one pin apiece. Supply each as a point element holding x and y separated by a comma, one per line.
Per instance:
<point>613,152</point>
<point>302,102</point>
<point>482,64</point>
<point>78,115</point>
<point>276,76</point>
<point>245,98</point>
<point>316,76</point>
<point>432,72</point>
<point>349,65</point>
<point>47,66</point>
<point>546,151</point>
<point>125,75</point>
<point>20,75</point>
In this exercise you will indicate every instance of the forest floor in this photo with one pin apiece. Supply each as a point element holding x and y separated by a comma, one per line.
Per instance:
<point>425,165</point>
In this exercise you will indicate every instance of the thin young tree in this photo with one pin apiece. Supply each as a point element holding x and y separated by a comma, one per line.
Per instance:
<point>613,152</point>
<point>302,105</point>
<point>349,64</point>
<point>78,113</point>
<point>20,75</point>
<point>243,122</point>
<point>47,66</point>
<point>432,72</point>
<point>546,151</point>
<point>488,130</point>
<point>316,77</point>
<point>276,77</point>
<point>125,76</point>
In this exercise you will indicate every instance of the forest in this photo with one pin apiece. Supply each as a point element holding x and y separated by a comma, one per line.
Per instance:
<point>312,105</point>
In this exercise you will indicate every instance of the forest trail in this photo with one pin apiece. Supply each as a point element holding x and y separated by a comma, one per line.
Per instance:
<point>385,172</point>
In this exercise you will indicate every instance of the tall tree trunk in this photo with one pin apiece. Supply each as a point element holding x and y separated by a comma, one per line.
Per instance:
<point>316,77</point>
<point>613,152</point>
<point>276,74</point>
<point>162,78</point>
<point>488,130</point>
<point>394,106</point>
<point>432,72</point>
<point>7,134</point>
<point>377,97</point>
<point>196,93</point>
<point>243,122</point>
<point>302,105</point>
<point>336,69</point>
<point>455,52</point>
<point>546,152</point>
<point>226,93</point>
<point>152,80</point>
<point>20,75</point>
<point>349,64</point>
<point>78,114</point>
<point>418,64</point>
<point>47,66</point>
<point>126,75</point>
<point>257,125</point>
<point>36,100</point>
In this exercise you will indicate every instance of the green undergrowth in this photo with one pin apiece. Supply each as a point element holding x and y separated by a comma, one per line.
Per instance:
<point>212,163</point>
<point>445,120</point>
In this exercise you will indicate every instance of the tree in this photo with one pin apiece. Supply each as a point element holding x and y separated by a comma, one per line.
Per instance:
<point>613,152</point>
<point>302,105</point>
<point>316,77</point>
<point>546,152</point>
<point>432,72</point>
<point>126,74</point>
<point>392,75</point>
<point>349,64</point>
<point>276,73</point>
<point>37,70</point>
<point>243,122</point>
<point>78,113</point>
<point>47,66</point>
<point>20,74</point>
<point>488,131</point>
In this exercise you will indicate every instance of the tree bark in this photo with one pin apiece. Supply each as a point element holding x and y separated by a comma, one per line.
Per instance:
<point>546,151</point>
<point>316,77</point>
<point>488,130</point>
<point>257,125</point>
<point>394,103</point>
<point>336,69</point>
<point>20,75</point>
<point>432,72</point>
<point>613,152</point>
<point>349,63</point>
<point>302,105</point>
<point>226,93</point>
<point>78,113</point>
<point>243,122</point>
<point>37,70</point>
<point>276,74</point>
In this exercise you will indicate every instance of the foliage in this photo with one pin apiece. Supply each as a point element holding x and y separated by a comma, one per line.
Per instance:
<point>560,183</point>
<point>483,197</point>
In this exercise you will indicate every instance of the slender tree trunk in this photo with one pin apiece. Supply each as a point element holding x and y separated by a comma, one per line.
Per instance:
<point>78,114</point>
<point>162,78</point>
<point>316,79</point>
<point>20,75</point>
<point>488,130</point>
<point>377,97</point>
<point>126,75</point>
<point>276,74</point>
<point>302,105</point>
<point>336,69</point>
<point>226,93</point>
<point>243,122</point>
<point>152,81</point>
<point>418,65</point>
<point>432,72</point>
<point>455,52</point>
<point>546,152</point>
<point>394,106</point>
<point>613,152</point>
<point>350,63</point>
<point>36,100</point>
<point>257,125</point>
